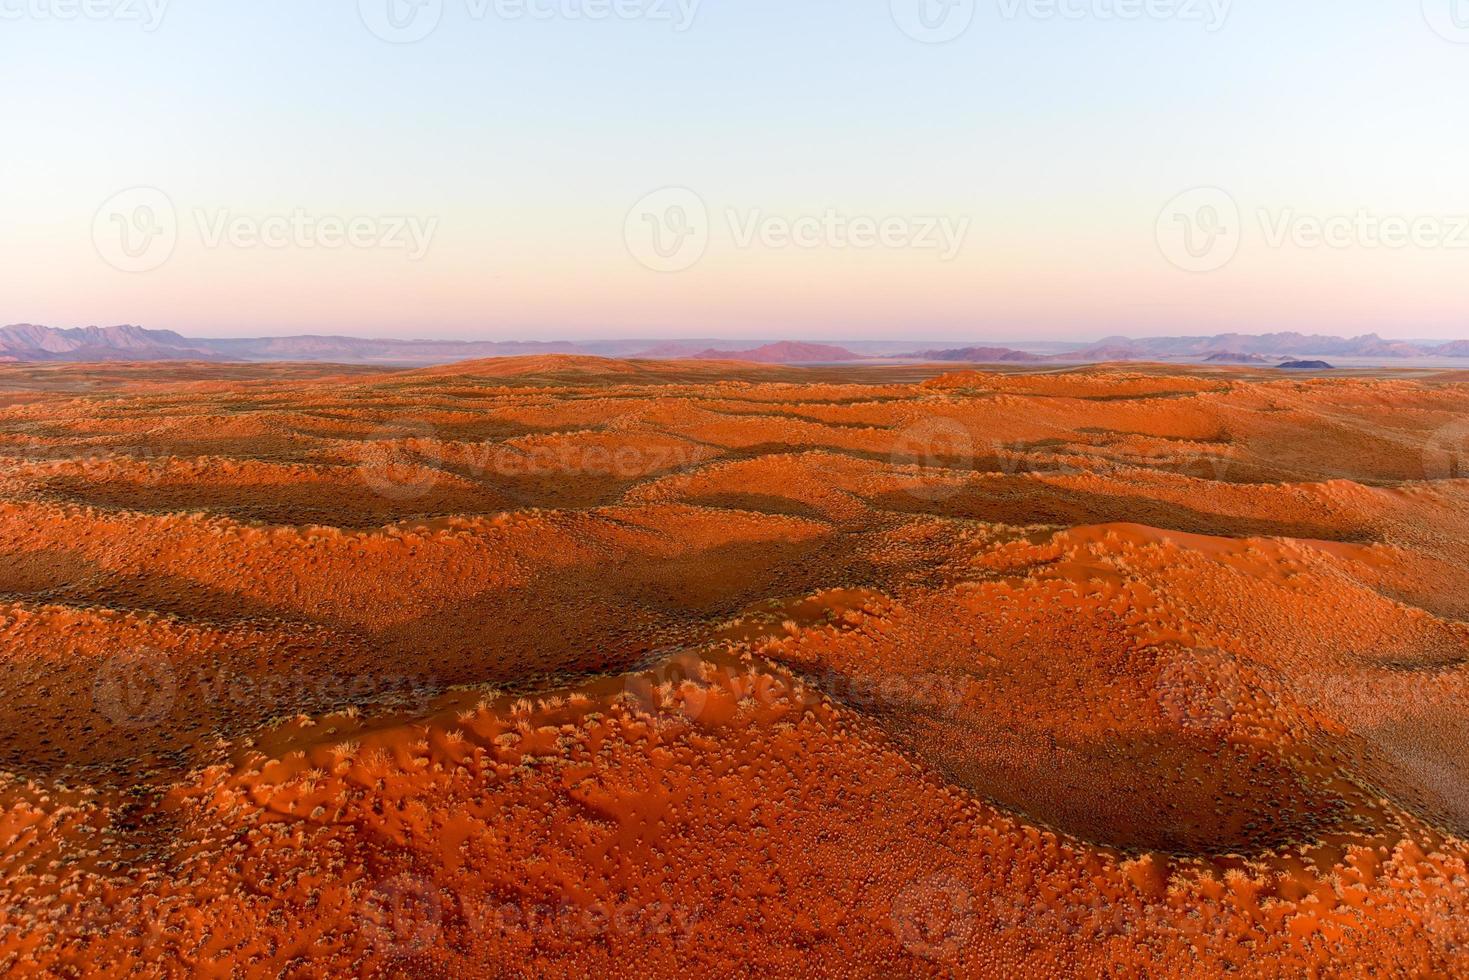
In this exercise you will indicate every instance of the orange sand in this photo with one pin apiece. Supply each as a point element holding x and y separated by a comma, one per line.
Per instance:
<point>564,667</point>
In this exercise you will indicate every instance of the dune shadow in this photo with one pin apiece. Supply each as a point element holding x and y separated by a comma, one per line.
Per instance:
<point>1023,502</point>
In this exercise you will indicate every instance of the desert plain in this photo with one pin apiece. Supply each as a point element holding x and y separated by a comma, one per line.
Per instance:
<point>569,667</point>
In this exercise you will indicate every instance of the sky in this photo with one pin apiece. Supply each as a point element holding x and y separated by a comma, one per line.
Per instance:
<point>805,169</point>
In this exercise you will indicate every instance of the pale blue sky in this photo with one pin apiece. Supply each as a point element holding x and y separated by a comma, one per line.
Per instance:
<point>528,141</point>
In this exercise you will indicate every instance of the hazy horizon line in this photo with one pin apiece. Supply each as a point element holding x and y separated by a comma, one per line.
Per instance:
<point>792,337</point>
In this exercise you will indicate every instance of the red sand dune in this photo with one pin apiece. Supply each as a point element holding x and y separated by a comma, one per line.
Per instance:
<point>568,667</point>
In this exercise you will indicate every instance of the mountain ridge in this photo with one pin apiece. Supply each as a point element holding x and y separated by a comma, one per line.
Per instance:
<point>29,342</point>
<point>782,352</point>
<point>978,355</point>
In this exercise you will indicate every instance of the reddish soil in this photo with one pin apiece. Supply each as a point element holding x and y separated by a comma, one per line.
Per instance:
<point>567,667</point>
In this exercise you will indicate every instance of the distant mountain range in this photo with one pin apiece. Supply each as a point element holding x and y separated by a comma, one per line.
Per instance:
<point>31,343</point>
<point>977,355</point>
<point>28,342</point>
<point>1268,345</point>
<point>785,352</point>
<point>1229,348</point>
